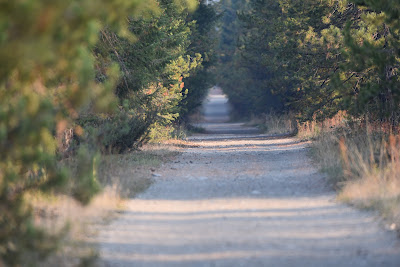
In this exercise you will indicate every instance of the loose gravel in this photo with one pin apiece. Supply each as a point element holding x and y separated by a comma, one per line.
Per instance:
<point>238,198</point>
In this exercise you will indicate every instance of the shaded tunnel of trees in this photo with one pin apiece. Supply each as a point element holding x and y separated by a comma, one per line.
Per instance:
<point>84,78</point>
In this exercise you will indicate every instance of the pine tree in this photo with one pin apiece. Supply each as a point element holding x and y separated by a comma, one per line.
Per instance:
<point>47,77</point>
<point>372,58</point>
<point>202,41</point>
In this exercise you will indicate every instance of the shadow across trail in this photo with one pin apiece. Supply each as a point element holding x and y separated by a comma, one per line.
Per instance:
<point>236,197</point>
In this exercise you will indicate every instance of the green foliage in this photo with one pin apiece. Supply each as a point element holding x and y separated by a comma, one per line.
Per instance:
<point>48,77</point>
<point>232,75</point>
<point>116,133</point>
<point>202,42</point>
<point>372,56</point>
<point>155,69</point>
<point>315,58</point>
<point>86,185</point>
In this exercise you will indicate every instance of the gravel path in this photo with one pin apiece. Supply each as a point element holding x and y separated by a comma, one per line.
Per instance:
<point>238,198</point>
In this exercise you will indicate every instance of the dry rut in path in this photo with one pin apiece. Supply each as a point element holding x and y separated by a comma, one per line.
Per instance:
<point>238,198</point>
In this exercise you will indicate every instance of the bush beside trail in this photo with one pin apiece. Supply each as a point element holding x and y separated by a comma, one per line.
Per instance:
<point>78,79</point>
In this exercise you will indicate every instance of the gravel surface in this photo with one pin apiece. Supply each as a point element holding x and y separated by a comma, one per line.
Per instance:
<point>238,198</point>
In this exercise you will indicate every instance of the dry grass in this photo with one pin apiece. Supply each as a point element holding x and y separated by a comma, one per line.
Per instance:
<point>122,176</point>
<point>132,173</point>
<point>314,129</point>
<point>273,123</point>
<point>365,168</point>
<point>55,213</point>
<point>373,176</point>
<point>325,151</point>
<point>309,130</point>
<point>361,159</point>
<point>282,124</point>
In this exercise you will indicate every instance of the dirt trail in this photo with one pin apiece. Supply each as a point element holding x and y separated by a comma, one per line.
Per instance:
<point>238,198</point>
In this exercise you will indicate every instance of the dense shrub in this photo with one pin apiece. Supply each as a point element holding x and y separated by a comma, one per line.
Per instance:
<point>116,133</point>
<point>50,73</point>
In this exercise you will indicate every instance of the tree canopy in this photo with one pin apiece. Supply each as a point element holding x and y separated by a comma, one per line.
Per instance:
<point>314,58</point>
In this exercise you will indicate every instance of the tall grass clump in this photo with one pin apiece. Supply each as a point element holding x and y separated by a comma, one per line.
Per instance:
<point>289,123</point>
<point>315,129</point>
<point>363,164</point>
<point>325,151</point>
<point>372,174</point>
<point>274,123</point>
